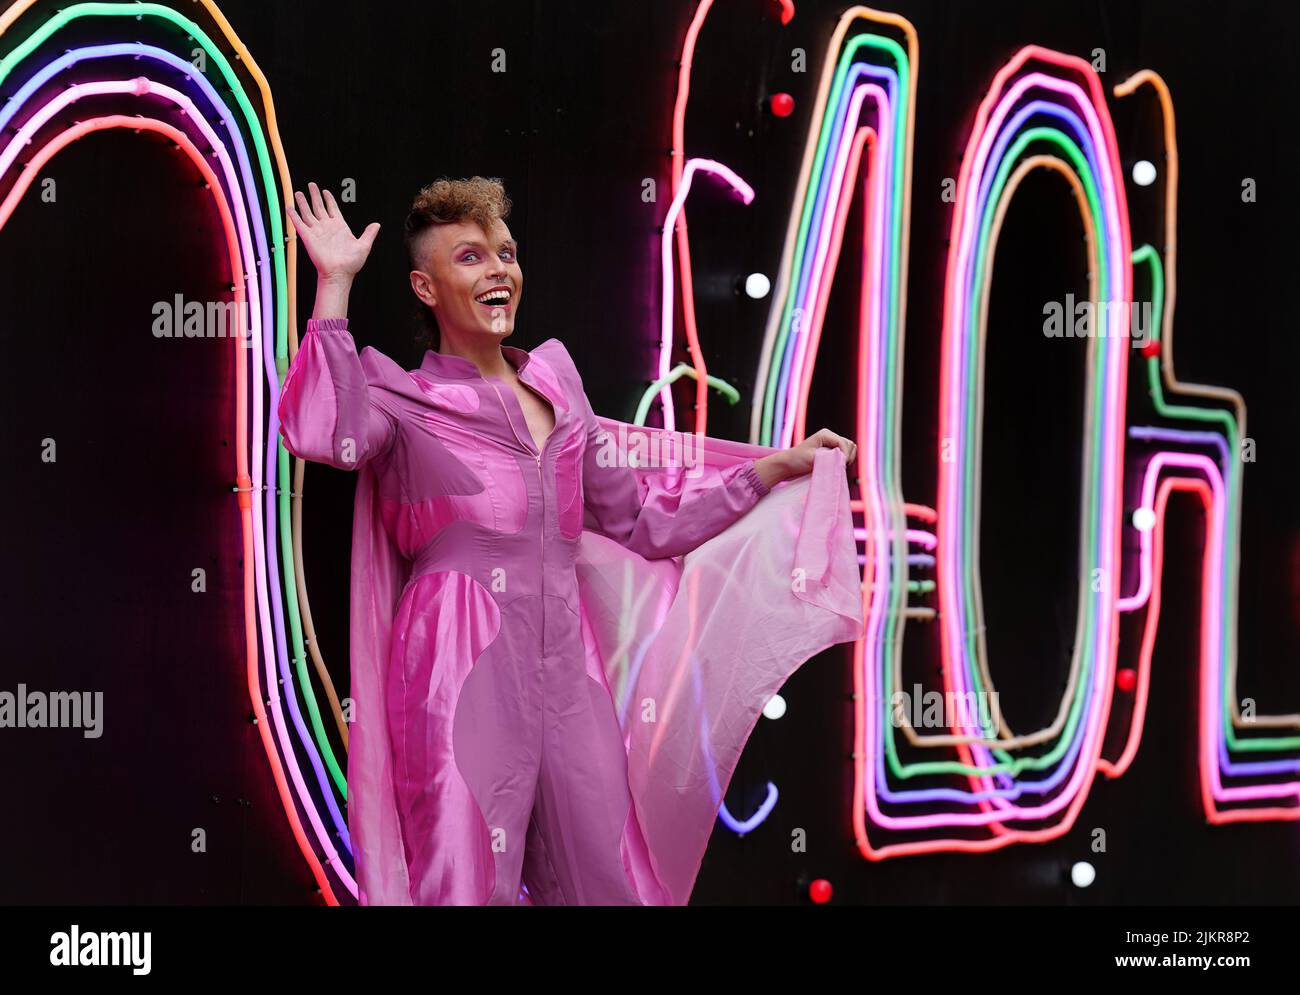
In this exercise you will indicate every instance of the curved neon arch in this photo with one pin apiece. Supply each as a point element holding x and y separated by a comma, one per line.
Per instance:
<point>256,199</point>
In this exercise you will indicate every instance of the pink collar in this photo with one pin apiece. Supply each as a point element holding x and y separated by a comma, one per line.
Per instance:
<point>459,368</point>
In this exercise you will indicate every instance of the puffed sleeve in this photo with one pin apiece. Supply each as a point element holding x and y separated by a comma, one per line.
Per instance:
<point>328,411</point>
<point>658,515</point>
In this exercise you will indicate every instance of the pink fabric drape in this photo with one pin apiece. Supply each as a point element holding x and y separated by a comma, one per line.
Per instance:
<point>690,648</point>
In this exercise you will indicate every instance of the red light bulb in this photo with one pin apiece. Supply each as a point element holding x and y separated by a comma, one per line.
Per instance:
<point>783,9</point>
<point>781,104</point>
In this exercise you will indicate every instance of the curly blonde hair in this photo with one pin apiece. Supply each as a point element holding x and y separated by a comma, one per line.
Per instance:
<point>479,199</point>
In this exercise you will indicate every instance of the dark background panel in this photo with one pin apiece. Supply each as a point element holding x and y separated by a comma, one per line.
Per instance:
<point>390,96</point>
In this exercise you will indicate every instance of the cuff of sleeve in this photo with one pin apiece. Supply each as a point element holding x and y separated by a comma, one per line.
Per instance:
<point>755,481</point>
<point>327,324</point>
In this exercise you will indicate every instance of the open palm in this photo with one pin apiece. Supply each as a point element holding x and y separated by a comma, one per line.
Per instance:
<point>334,250</point>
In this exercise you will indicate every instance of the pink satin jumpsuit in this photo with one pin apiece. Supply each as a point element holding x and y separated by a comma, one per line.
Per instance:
<point>509,764</point>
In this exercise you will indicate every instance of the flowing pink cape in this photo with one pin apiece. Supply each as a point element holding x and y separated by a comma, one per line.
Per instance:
<point>691,649</point>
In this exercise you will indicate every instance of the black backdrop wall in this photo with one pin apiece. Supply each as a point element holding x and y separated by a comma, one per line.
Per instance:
<point>101,544</point>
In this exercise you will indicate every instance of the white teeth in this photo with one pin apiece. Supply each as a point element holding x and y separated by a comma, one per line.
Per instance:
<point>494,297</point>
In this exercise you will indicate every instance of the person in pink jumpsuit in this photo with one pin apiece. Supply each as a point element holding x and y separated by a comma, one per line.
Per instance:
<point>505,757</point>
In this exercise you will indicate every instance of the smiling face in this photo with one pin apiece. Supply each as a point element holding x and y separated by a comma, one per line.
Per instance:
<point>470,278</point>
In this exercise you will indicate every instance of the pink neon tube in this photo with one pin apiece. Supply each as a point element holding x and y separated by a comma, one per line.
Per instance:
<point>140,87</point>
<point>864,136</point>
<point>956,274</point>
<point>820,278</point>
<point>666,261</point>
<point>7,207</point>
<point>1117,362</point>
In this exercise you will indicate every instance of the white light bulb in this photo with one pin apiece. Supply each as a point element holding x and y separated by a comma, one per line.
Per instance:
<point>1083,874</point>
<point>775,707</point>
<point>757,286</point>
<point>1144,172</point>
<point>1144,519</point>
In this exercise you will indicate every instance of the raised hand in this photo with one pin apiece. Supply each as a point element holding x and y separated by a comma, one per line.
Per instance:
<point>336,253</point>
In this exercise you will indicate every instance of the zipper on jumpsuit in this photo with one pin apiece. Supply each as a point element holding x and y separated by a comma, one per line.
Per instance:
<point>541,490</point>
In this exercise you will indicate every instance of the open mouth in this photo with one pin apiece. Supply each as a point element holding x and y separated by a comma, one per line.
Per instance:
<point>497,297</point>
